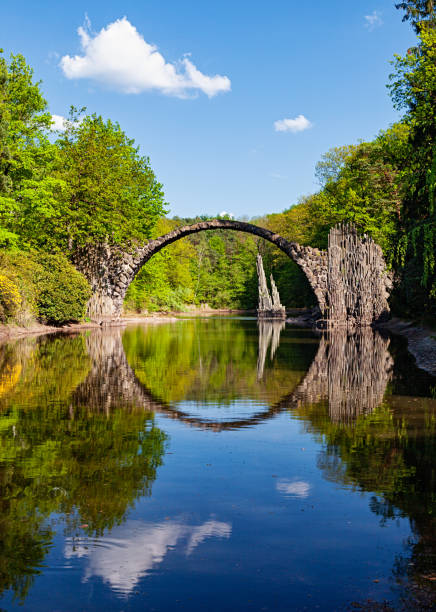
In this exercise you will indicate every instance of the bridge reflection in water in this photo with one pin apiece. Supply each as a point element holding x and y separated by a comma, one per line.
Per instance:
<point>350,371</point>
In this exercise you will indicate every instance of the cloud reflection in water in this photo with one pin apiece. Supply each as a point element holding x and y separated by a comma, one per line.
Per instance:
<point>293,488</point>
<point>132,550</point>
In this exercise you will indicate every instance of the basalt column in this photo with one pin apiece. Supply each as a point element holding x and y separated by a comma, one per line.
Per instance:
<point>358,283</point>
<point>269,308</point>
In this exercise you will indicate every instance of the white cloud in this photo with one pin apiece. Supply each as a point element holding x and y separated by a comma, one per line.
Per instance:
<point>295,488</point>
<point>129,552</point>
<point>373,21</point>
<point>119,57</point>
<point>61,123</point>
<point>224,213</point>
<point>299,124</point>
<point>58,122</point>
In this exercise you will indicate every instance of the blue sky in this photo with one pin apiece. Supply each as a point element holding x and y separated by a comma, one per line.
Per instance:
<point>208,101</point>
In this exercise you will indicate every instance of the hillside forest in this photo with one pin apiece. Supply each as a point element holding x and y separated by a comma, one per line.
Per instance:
<point>89,183</point>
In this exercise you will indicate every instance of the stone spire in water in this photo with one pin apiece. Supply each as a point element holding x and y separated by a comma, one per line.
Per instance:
<point>265,302</point>
<point>268,308</point>
<point>275,295</point>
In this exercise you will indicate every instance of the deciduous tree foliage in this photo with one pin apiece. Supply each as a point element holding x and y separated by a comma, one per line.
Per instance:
<point>89,185</point>
<point>417,11</point>
<point>112,194</point>
<point>413,89</point>
<point>25,151</point>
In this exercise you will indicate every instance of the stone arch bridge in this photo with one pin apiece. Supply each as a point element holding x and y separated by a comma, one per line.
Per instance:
<point>340,277</point>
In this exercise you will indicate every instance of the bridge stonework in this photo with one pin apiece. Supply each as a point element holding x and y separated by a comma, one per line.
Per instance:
<point>110,270</point>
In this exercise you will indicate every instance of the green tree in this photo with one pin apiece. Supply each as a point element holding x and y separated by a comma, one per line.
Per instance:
<point>26,153</point>
<point>112,193</point>
<point>293,224</point>
<point>331,164</point>
<point>413,89</point>
<point>165,282</point>
<point>91,185</point>
<point>417,12</point>
<point>363,189</point>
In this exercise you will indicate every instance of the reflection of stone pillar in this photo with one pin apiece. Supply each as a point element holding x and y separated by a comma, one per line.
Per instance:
<point>359,368</point>
<point>111,382</point>
<point>269,308</point>
<point>350,370</point>
<point>269,335</point>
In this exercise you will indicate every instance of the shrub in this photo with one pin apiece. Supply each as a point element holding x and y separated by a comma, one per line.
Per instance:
<point>10,298</point>
<point>50,288</point>
<point>63,292</point>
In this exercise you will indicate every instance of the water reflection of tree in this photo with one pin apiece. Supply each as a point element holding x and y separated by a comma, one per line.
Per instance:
<point>393,455</point>
<point>77,434</point>
<point>350,370</point>
<point>389,451</point>
<point>61,453</point>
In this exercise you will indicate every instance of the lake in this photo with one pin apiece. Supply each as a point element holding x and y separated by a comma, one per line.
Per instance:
<point>216,464</point>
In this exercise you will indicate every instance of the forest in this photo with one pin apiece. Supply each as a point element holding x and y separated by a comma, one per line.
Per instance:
<point>88,183</point>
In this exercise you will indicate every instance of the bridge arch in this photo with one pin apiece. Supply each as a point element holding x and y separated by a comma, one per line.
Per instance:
<point>110,271</point>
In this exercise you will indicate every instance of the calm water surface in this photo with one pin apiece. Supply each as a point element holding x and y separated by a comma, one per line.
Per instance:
<point>212,464</point>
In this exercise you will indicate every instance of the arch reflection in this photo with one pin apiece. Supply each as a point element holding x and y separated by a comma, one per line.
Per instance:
<point>350,371</point>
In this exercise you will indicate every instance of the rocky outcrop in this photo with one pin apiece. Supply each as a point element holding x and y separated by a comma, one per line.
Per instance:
<point>269,307</point>
<point>358,283</point>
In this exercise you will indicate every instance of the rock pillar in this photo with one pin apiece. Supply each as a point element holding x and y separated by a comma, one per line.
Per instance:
<point>109,272</point>
<point>358,283</point>
<point>269,308</point>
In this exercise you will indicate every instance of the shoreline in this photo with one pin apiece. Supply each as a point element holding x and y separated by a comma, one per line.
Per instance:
<point>12,331</point>
<point>421,342</point>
